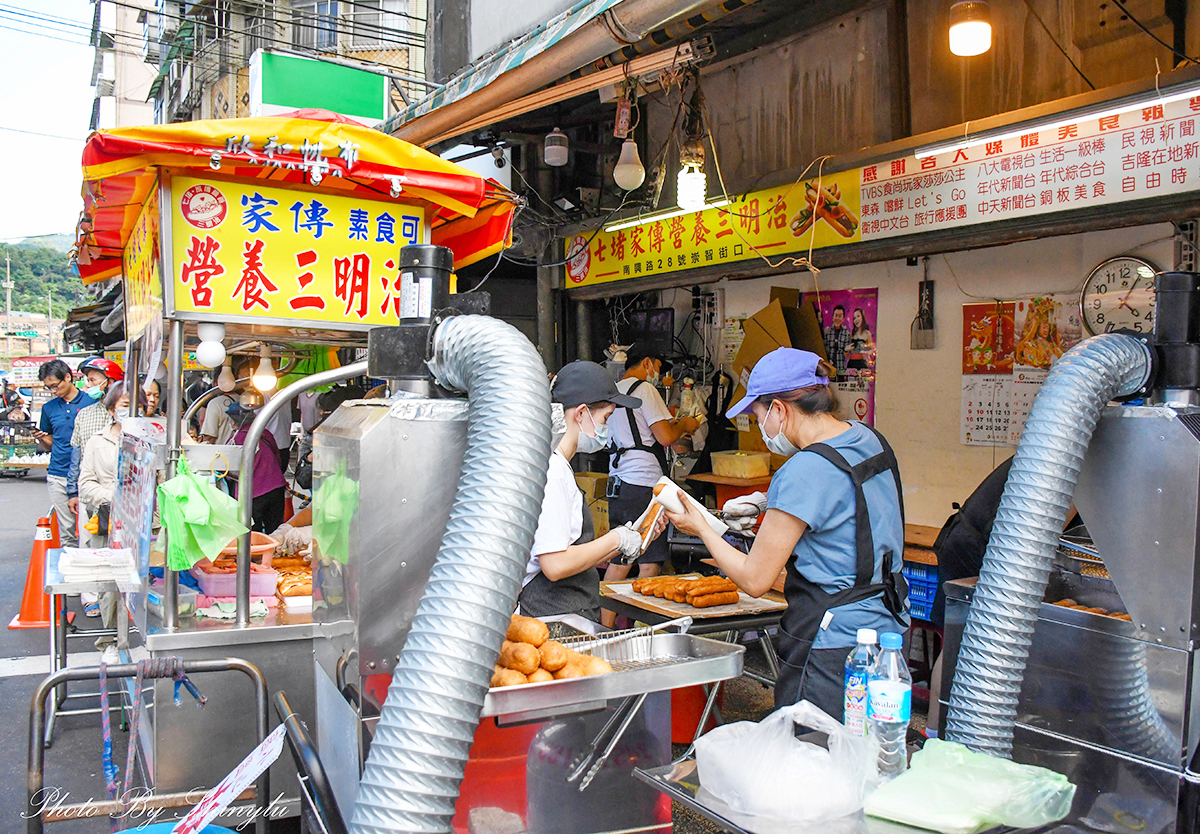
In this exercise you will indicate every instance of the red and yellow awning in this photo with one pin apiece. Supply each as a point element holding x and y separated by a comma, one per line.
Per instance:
<point>472,216</point>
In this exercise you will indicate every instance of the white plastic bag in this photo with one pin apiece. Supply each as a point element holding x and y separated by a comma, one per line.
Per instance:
<point>951,789</point>
<point>764,770</point>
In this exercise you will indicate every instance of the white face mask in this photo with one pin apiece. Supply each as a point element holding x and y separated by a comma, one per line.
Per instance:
<point>779,444</point>
<point>592,443</point>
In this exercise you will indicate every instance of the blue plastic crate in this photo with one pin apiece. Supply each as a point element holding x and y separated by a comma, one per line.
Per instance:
<point>919,610</point>
<point>914,570</point>
<point>921,590</point>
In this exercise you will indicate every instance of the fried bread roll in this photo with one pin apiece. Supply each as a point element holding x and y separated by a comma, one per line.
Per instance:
<point>522,657</point>
<point>553,655</point>
<point>571,670</point>
<point>508,677</point>
<point>595,665</point>
<point>708,601</point>
<point>528,630</point>
<point>540,675</point>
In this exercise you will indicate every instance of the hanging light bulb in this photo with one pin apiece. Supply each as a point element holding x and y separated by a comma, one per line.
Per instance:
<point>970,28</point>
<point>210,354</point>
<point>264,375</point>
<point>691,186</point>
<point>226,381</point>
<point>554,151</point>
<point>629,173</point>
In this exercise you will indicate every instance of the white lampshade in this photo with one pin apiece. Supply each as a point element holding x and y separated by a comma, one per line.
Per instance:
<point>629,173</point>
<point>690,188</point>
<point>210,331</point>
<point>970,28</point>
<point>555,148</point>
<point>264,375</point>
<point>210,354</point>
<point>226,381</point>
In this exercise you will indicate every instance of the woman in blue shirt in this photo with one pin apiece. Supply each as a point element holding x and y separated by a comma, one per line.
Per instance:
<point>834,519</point>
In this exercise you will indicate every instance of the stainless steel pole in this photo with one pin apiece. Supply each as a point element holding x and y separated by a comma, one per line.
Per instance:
<point>246,469</point>
<point>174,395</point>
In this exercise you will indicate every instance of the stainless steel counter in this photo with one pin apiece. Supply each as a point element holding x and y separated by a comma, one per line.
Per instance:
<point>681,782</point>
<point>197,632</point>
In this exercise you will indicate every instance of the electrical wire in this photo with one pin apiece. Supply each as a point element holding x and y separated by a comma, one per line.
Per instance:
<point>1142,26</point>
<point>1054,40</point>
<point>46,135</point>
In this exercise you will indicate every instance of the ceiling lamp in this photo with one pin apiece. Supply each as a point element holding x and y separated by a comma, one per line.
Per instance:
<point>629,173</point>
<point>226,381</point>
<point>554,150</point>
<point>970,28</point>
<point>264,375</point>
<point>692,184</point>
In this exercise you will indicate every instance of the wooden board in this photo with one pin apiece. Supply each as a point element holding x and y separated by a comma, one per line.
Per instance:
<point>745,605</point>
<point>919,535</point>
<point>723,480</point>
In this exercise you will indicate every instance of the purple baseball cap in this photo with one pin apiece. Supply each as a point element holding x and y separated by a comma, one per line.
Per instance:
<point>783,369</point>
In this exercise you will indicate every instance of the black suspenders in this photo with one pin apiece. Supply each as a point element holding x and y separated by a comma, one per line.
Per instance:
<point>654,448</point>
<point>864,540</point>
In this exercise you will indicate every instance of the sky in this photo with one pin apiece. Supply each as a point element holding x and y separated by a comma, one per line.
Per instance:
<point>47,67</point>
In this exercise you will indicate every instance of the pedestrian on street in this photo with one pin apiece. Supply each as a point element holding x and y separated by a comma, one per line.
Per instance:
<point>54,434</point>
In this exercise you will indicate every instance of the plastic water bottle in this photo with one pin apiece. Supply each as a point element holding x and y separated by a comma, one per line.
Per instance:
<point>889,705</point>
<point>858,667</point>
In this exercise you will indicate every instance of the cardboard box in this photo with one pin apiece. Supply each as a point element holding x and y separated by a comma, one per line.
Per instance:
<point>599,510</point>
<point>775,326</point>
<point>592,483</point>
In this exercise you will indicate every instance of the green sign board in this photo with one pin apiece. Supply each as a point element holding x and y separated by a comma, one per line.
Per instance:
<point>279,83</point>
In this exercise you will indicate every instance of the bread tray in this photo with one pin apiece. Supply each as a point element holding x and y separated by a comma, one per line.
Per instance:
<point>641,663</point>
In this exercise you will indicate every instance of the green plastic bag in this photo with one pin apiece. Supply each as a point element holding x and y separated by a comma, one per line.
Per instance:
<point>200,520</point>
<point>334,505</point>
<point>951,789</point>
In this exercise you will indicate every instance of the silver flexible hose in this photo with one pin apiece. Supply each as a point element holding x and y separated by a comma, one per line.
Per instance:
<point>412,775</point>
<point>1020,553</point>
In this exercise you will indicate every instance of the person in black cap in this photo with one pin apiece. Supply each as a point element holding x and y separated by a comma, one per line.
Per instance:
<point>640,437</point>
<point>559,578</point>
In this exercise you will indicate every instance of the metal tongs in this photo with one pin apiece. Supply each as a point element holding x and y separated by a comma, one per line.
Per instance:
<point>612,731</point>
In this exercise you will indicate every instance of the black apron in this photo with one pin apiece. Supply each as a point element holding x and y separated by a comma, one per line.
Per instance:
<point>654,448</point>
<point>808,602</point>
<point>578,594</point>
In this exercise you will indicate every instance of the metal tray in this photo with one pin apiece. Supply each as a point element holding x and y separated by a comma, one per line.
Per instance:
<point>642,664</point>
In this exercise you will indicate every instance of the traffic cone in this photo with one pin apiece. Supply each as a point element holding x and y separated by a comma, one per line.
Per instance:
<point>55,541</point>
<point>35,603</point>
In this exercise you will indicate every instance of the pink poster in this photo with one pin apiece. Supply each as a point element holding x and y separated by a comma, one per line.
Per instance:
<point>849,320</point>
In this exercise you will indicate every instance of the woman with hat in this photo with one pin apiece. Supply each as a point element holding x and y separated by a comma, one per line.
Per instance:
<point>560,577</point>
<point>834,519</point>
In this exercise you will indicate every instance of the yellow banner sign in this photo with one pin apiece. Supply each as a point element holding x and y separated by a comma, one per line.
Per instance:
<point>815,213</point>
<point>143,279</point>
<point>252,251</point>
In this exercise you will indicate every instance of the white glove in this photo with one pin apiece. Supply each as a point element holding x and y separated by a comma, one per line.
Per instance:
<point>281,532</point>
<point>297,539</point>
<point>751,506</point>
<point>630,545</point>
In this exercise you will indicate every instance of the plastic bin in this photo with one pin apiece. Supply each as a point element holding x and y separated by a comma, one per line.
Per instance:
<point>260,543</point>
<point>262,584</point>
<point>187,600</point>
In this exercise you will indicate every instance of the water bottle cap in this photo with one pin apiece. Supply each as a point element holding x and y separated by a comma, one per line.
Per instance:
<point>867,637</point>
<point>891,640</point>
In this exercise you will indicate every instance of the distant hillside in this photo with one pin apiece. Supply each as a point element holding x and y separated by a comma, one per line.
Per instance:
<point>59,243</point>
<point>38,271</point>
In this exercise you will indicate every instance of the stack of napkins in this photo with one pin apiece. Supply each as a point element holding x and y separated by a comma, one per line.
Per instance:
<point>80,564</point>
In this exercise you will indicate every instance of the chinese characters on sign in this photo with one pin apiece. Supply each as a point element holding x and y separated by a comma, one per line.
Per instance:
<point>1142,153</point>
<point>143,281</point>
<point>766,223</point>
<point>284,254</point>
